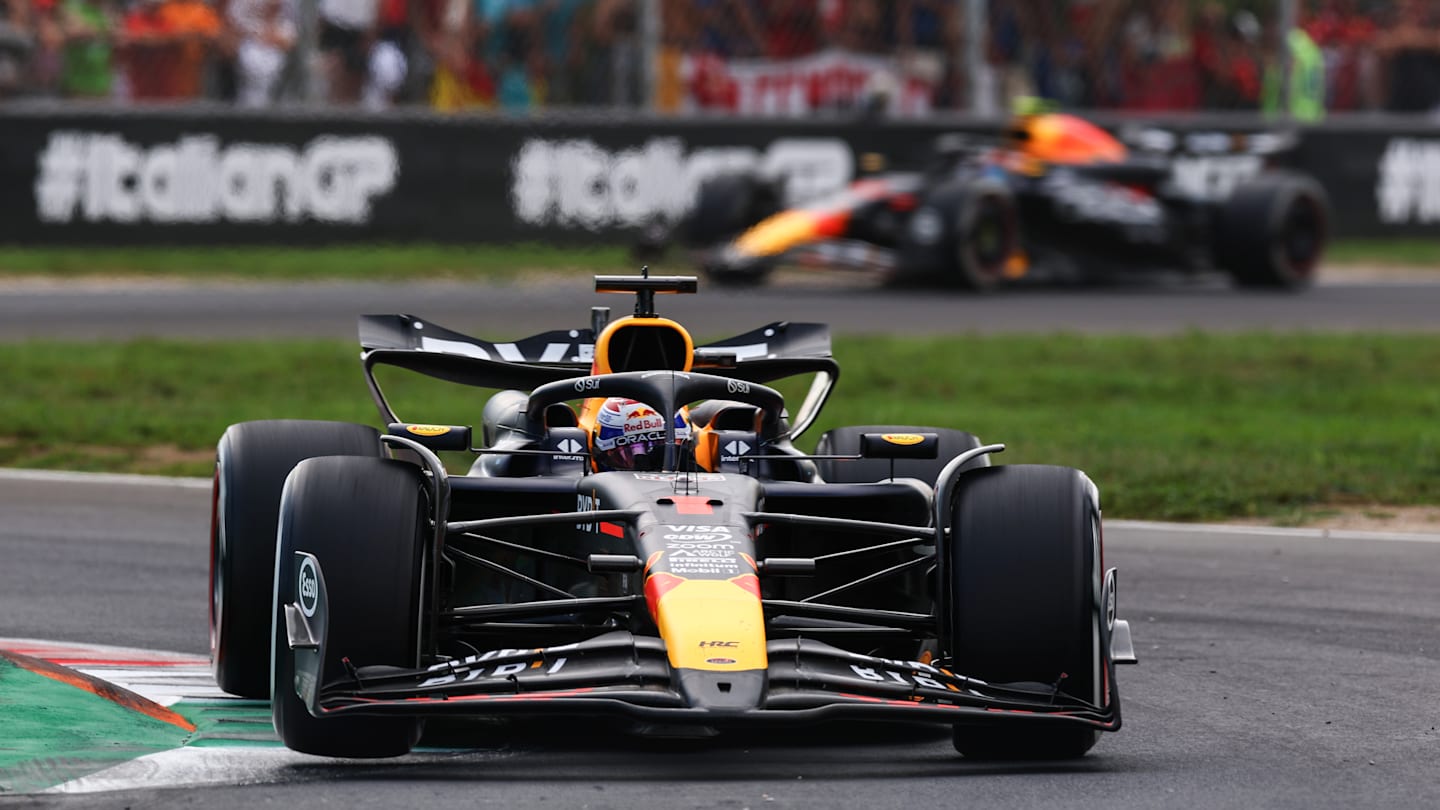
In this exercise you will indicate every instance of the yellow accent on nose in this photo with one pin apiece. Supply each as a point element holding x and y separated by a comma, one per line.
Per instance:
<point>713,625</point>
<point>777,234</point>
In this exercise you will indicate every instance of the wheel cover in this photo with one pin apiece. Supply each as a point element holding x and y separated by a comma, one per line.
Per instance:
<point>989,237</point>
<point>1302,236</point>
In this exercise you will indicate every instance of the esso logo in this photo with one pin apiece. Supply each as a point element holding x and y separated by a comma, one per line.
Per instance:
<point>308,586</point>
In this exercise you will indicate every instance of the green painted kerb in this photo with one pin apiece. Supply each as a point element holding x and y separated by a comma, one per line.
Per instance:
<point>51,732</point>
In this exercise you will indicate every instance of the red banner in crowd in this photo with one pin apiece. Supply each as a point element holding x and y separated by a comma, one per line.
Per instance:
<point>830,80</point>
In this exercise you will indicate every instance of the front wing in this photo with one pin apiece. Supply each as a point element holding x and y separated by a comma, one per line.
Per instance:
<point>621,674</point>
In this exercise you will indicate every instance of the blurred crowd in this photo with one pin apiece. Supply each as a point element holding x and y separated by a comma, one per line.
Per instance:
<point>1345,55</point>
<point>1148,55</point>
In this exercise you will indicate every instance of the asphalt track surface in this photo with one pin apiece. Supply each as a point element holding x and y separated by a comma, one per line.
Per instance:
<point>1278,669</point>
<point>850,303</point>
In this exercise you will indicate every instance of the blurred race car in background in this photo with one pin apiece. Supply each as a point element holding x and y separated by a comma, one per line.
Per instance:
<point>1053,196</point>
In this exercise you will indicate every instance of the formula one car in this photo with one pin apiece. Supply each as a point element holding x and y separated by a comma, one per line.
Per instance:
<point>1055,193</point>
<point>694,573</point>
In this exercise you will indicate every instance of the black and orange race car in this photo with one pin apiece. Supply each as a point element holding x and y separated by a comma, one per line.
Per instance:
<point>732,581</point>
<point>1053,197</point>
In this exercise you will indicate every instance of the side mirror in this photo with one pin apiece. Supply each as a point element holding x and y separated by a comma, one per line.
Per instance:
<point>899,445</point>
<point>434,437</point>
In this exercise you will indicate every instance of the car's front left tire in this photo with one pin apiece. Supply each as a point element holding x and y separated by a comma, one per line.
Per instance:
<point>1023,559</point>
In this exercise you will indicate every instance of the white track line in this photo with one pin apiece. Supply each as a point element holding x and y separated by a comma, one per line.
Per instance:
<point>126,479</point>
<point>192,767</point>
<point>119,479</point>
<point>1272,531</point>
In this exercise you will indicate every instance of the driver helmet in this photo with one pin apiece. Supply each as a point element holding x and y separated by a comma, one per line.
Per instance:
<point>630,435</point>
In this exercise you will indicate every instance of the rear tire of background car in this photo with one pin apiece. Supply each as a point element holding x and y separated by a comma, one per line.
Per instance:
<point>1024,564</point>
<point>252,461</point>
<point>1272,231</point>
<point>962,236</point>
<point>364,519</point>
<point>845,441</point>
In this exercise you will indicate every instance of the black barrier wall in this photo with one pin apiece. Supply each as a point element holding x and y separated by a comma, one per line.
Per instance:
<point>222,176</point>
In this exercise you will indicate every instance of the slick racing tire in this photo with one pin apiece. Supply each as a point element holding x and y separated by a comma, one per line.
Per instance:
<point>962,236</point>
<point>1272,231</point>
<point>1025,570</point>
<point>845,441</point>
<point>364,520</point>
<point>252,460</point>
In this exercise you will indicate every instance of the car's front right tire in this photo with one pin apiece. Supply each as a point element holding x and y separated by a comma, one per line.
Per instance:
<point>365,520</point>
<point>251,463</point>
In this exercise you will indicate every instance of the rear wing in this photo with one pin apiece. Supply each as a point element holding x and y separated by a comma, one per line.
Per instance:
<point>772,352</point>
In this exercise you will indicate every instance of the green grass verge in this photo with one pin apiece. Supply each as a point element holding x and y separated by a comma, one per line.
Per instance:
<point>1422,253</point>
<point>356,262</point>
<point>492,262</point>
<point>1193,427</point>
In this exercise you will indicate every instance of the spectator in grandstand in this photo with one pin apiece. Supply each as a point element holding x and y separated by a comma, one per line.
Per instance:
<point>1227,48</point>
<point>166,44</point>
<point>932,24</point>
<point>510,39</point>
<point>613,66</point>
<point>792,27</point>
<point>928,34</point>
<point>389,66</point>
<point>730,29</point>
<point>1007,54</point>
<point>17,43</point>
<point>1345,37</point>
<point>865,27</point>
<point>49,43</point>
<point>562,28</point>
<point>264,32</point>
<point>460,78</point>
<point>347,29</point>
<point>362,61</point>
<point>678,63</point>
<point>1159,58</point>
<point>85,29</point>
<point>1410,50</point>
<point>1303,96</point>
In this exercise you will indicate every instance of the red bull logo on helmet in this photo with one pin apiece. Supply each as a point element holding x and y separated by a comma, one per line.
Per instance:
<point>634,426</point>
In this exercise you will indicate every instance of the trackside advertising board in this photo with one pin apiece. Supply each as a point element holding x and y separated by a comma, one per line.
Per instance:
<point>222,176</point>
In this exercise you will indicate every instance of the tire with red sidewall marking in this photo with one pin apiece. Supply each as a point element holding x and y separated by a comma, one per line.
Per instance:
<point>252,461</point>
<point>1272,231</point>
